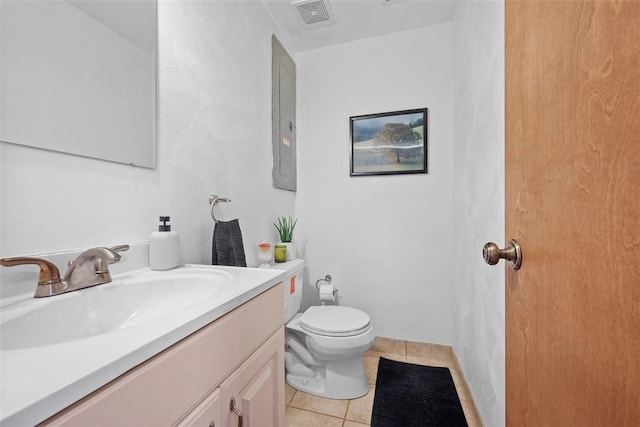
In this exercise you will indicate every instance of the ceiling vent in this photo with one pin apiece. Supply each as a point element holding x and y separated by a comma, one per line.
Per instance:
<point>315,13</point>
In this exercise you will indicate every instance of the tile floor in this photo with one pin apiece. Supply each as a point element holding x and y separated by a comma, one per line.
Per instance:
<point>305,410</point>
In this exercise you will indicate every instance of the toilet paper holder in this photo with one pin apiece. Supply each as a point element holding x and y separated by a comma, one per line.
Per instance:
<point>327,279</point>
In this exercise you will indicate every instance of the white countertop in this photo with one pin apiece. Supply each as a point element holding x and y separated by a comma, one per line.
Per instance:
<point>38,382</point>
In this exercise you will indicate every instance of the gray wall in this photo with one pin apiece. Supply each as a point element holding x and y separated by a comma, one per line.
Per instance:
<point>478,187</point>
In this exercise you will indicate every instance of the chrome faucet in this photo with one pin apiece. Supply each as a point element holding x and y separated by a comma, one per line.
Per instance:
<point>90,268</point>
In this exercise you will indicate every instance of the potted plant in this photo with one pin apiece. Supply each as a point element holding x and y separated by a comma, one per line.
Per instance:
<point>285,227</point>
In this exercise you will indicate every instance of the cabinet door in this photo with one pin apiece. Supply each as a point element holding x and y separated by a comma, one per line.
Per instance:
<point>257,388</point>
<point>206,414</point>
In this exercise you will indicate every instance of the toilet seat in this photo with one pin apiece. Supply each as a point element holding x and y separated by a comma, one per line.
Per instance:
<point>335,321</point>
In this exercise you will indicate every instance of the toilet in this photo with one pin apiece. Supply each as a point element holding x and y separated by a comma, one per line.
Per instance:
<point>325,345</point>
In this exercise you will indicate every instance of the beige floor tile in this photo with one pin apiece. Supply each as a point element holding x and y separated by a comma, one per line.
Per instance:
<point>371,368</point>
<point>473,419</point>
<point>438,355</point>
<point>460,383</point>
<point>295,417</point>
<point>333,407</point>
<point>462,390</point>
<point>470,413</point>
<point>289,392</point>
<point>348,423</point>
<point>396,357</point>
<point>428,362</point>
<point>360,409</point>
<point>390,346</point>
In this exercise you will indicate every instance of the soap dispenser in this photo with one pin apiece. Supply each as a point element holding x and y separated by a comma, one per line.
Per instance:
<point>164,247</point>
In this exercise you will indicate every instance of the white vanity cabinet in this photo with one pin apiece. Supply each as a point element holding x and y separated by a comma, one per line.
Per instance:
<point>206,414</point>
<point>252,388</point>
<point>239,356</point>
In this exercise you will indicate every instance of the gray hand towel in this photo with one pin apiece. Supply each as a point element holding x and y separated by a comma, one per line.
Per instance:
<point>227,247</point>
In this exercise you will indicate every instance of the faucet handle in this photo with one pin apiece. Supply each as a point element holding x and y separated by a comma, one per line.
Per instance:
<point>49,273</point>
<point>49,282</point>
<point>106,255</point>
<point>120,248</point>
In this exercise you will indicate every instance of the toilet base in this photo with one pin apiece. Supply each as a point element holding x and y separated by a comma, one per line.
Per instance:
<point>342,379</point>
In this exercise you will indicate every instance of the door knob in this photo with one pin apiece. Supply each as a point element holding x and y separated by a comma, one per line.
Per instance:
<point>511,253</point>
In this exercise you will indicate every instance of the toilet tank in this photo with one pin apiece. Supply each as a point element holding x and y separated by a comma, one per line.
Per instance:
<point>292,286</point>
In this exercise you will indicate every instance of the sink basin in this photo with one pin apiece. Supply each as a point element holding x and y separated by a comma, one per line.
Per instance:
<point>128,301</point>
<point>72,344</point>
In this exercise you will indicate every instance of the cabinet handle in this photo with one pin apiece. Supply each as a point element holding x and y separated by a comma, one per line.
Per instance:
<point>235,410</point>
<point>212,424</point>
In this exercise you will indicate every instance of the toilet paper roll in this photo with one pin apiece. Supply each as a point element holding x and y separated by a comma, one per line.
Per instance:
<point>326,293</point>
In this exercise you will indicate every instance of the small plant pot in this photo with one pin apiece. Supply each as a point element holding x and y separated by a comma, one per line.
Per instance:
<point>280,253</point>
<point>292,250</point>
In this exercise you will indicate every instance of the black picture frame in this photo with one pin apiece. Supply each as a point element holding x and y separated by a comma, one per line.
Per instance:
<point>389,143</point>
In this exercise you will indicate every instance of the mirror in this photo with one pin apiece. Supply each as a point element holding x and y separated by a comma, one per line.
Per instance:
<point>79,77</point>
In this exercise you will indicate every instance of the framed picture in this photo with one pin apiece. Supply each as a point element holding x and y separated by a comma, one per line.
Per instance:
<point>389,143</point>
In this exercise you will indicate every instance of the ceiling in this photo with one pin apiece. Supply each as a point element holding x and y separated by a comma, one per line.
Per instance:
<point>358,19</point>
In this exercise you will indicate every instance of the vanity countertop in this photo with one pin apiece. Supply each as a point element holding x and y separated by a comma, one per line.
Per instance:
<point>38,382</point>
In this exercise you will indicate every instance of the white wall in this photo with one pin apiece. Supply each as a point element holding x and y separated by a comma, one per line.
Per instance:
<point>386,240</point>
<point>214,137</point>
<point>478,311</point>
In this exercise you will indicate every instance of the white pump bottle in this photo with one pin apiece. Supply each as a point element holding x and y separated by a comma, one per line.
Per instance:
<point>164,247</point>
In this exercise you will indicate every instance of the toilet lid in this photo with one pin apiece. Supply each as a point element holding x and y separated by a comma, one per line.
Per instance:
<point>334,321</point>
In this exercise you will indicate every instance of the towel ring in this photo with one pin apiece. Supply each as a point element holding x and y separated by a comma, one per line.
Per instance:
<point>213,200</point>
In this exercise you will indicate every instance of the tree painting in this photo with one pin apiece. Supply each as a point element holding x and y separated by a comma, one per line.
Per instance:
<point>398,141</point>
<point>389,143</point>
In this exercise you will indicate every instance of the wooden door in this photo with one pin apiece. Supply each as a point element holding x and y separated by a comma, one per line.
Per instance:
<point>573,203</point>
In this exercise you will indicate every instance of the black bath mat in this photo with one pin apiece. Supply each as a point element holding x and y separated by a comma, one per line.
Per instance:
<point>409,395</point>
